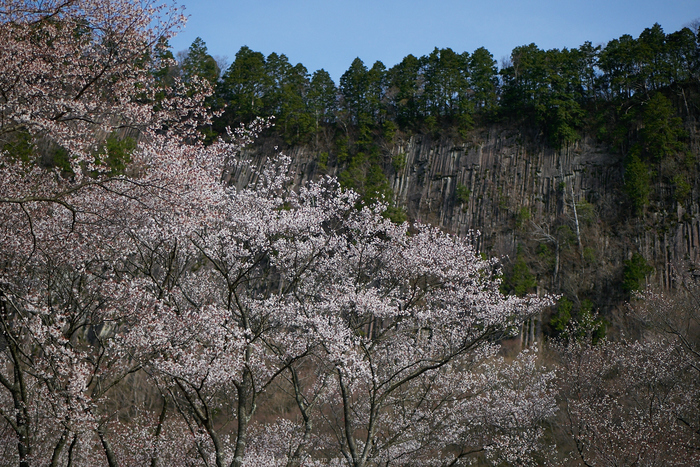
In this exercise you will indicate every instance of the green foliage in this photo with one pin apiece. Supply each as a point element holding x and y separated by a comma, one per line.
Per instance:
<point>622,89</point>
<point>376,85</point>
<point>282,95</point>
<point>20,147</point>
<point>445,75</point>
<point>361,166</point>
<point>524,82</point>
<point>543,252</point>
<point>663,131</point>
<point>431,124</point>
<point>465,121</point>
<point>681,188</point>
<point>462,194</point>
<point>637,182</point>
<point>586,212</point>
<point>164,70</point>
<point>199,63</point>
<point>323,161</point>
<point>365,139</point>
<point>118,152</point>
<point>403,80</point>
<point>376,185</point>
<point>242,88</point>
<point>398,162</point>
<point>565,235</point>
<point>59,158</point>
<point>354,87</point>
<point>396,215</point>
<point>521,281</point>
<point>368,179</point>
<point>353,176</point>
<point>483,77</point>
<point>590,255</point>
<point>342,150</point>
<point>561,119</point>
<point>588,325</point>
<point>556,91</point>
<point>560,320</point>
<point>688,161</point>
<point>321,98</point>
<point>522,217</point>
<point>389,130</point>
<point>115,154</point>
<point>581,325</point>
<point>502,199</point>
<point>634,273</point>
<point>545,257</point>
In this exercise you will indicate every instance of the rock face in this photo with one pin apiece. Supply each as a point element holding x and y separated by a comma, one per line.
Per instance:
<point>519,193</point>
<point>501,176</point>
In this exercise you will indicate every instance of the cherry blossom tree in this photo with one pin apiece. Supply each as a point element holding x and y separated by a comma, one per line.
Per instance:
<point>406,325</point>
<point>397,326</point>
<point>624,403</point>
<point>635,401</point>
<point>78,274</point>
<point>73,72</point>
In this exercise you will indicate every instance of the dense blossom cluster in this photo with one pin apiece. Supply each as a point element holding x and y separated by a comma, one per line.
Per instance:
<point>634,401</point>
<point>630,403</point>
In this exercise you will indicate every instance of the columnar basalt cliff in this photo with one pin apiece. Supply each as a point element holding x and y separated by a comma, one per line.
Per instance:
<point>514,192</point>
<point>565,209</point>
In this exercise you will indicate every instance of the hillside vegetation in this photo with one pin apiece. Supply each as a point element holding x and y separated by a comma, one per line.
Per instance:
<point>580,165</point>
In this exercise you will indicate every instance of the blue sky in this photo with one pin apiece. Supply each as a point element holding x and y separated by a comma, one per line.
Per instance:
<point>329,34</point>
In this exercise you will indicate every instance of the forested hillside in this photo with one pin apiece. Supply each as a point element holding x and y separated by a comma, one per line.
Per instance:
<point>578,165</point>
<point>183,284</point>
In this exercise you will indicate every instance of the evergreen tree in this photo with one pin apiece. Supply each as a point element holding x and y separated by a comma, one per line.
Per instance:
<point>653,60</point>
<point>585,64</point>
<point>683,56</point>
<point>376,91</point>
<point>634,273</point>
<point>446,74</point>
<point>637,182</point>
<point>618,62</point>
<point>483,80</point>
<point>198,62</point>
<point>243,86</point>
<point>354,84</point>
<point>663,130</point>
<point>322,97</point>
<point>164,66</point>
<point>283,97</point>
<point>404,90</point>
<point>524,81</point>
